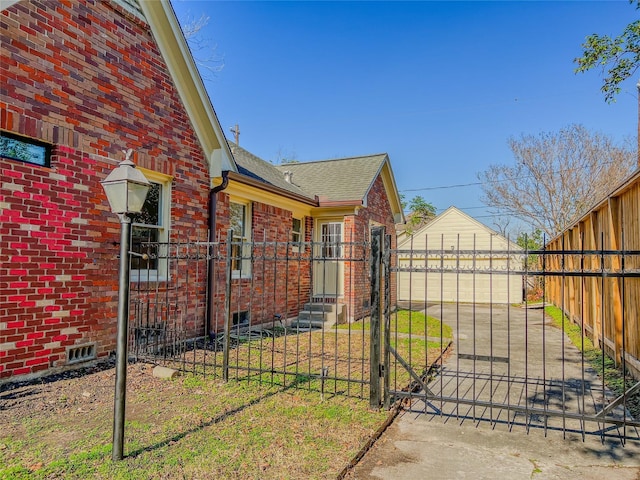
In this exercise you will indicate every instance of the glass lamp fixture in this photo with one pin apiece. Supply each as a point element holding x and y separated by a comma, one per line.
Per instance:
<point>126,188</point>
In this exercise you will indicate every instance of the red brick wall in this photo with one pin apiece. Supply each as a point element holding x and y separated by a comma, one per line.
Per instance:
<point>280,279</point>
<point>87,78</point>
<point>357,284</point>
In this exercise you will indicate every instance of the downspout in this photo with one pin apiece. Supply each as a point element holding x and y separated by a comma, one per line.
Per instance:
<point>212,238</point>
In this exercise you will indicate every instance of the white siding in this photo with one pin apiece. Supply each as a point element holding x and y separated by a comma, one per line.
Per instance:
<point>448,233</point>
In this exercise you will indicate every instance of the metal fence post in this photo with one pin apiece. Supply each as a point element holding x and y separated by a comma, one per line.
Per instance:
<point>374,366</point>
<point>386,312</point>
<point>227,309</point>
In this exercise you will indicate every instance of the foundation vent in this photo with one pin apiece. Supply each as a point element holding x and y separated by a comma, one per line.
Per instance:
<point>81,353</point>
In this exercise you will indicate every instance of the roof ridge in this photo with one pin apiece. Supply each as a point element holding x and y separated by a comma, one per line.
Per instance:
<point>332,160</point>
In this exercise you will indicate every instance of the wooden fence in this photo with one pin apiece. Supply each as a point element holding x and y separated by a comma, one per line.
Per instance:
<point>599,287</point>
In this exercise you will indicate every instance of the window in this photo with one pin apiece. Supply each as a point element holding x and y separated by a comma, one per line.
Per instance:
<point>297,235</point>
<point>331,238</point>
<point>150,232</point>
<point>240,223</point>
<point>24,149</point>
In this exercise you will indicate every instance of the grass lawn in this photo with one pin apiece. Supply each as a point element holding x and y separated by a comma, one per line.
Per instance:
<point>601,363</point>
<point>280,421</point>
<point>409,323</point>
<point>190,427</point>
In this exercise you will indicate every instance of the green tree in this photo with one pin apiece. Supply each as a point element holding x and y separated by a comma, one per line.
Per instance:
<point>531,240</point>
<point>619,57</point>
<point>420,212</point>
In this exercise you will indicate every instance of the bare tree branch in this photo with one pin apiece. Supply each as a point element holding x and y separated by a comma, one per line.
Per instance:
<point>202,48</point>
<point>556,176</point>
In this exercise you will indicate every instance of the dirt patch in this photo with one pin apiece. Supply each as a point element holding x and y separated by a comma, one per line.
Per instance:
<point>383,453</point>
<point>74,394</point>
<point>190,427</point>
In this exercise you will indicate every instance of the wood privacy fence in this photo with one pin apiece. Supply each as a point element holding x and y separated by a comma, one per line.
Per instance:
<point>598,286</point>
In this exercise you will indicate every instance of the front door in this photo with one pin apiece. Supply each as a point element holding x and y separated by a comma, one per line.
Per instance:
<point>328,269</point>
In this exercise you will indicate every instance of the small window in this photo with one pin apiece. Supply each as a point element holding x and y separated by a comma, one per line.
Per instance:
<point>24,149</point>
<point>145,230</point>
<point>240,223</point>
<point>331,238</point>
<point>297,235</point>
<point>150,231</point>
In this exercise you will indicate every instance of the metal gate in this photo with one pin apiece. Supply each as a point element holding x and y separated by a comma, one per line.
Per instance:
<point>253,311</point>
<point>512,364</point>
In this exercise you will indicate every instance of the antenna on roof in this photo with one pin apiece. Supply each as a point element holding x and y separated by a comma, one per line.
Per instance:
<point>236,133</point>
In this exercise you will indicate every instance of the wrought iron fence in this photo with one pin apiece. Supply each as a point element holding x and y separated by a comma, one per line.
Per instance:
<point>509,362</point>
<point>283,313</point>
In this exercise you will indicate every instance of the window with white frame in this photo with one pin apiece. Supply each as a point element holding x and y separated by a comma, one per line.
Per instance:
<point>150,232</point>
<point>297,234</point>
<point>331,238</point>
<point>240,223</point>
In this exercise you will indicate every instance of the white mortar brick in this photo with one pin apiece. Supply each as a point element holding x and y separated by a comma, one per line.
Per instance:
<point>57,176</point>
<point>13,187</point>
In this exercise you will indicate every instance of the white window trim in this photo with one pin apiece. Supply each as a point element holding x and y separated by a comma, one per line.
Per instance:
<point>298,248</point>
<point>245,271</point>
<point>162,273</point>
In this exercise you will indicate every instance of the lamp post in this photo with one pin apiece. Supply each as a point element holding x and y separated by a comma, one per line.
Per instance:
<point>126,189</point>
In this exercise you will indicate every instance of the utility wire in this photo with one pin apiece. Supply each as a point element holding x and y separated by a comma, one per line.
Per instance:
<point>459,185</point>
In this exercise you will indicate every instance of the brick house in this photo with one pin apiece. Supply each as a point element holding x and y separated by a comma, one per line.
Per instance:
<point>322,214</point>
<point>82,82</point>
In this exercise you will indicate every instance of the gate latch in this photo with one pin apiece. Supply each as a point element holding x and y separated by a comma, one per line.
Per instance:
<point>381,370</point>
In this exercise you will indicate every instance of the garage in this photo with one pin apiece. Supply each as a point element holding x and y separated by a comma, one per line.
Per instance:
<point>455,258</point>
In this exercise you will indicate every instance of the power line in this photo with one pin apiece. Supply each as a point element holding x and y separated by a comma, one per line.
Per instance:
<point>442,187</point>
<point>530,175</point>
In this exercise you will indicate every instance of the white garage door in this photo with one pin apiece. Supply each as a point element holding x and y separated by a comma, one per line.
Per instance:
<point>450,286</point>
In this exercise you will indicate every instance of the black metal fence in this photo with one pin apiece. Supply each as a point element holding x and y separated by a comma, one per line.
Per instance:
<point>281,313</point>
<point>466,332</point>
<point>514,358</point>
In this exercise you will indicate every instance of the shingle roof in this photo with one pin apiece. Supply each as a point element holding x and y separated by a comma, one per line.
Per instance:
<point>341,179</point>
<point>258,169</point>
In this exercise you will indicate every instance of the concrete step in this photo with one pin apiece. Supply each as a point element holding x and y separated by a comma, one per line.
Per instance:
<point>320,315</point>
<point>320,307</point>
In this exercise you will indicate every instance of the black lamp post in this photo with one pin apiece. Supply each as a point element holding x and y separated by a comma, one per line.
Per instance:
<point>126,189</point>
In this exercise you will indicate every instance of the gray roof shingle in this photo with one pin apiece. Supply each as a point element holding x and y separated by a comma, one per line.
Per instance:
<point>254,167</point>
<point>341,179</point>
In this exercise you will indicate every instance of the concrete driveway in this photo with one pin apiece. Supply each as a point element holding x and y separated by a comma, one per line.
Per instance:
<point>516,358</point>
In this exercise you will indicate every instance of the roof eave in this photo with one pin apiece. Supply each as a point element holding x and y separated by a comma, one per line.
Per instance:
<point>341,203</point>
<point>238,177</point>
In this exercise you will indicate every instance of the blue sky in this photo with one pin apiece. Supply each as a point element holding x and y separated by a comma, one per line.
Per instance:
<point>439,86</point>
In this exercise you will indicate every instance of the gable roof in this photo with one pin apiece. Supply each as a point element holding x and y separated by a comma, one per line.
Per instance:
<point>443,217</point>
<point>337,180</point>
<point>254,167</point>
<point>343,181</point>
